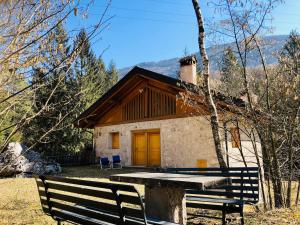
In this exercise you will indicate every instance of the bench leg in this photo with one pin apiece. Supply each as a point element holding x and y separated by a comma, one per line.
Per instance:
<point>224,214</point>
<point>58,222</point>
<point>242,215</point>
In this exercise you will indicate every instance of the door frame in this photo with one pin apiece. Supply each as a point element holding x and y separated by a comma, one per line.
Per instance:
<point>146,131</point>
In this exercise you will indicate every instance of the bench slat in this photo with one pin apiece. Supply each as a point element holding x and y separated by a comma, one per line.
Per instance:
<point>215,200</point>
<point>127,188</point>
<point>130,199</point>
<point>111,218</point>
<point>131,212</point>
<point>150,221</point>
<point>239,188</point>
<point>246,181</point>
<point>205,216</point>
<point>214,169</point>
<point>225,194</point>
<point>40,183</point>
<point>204,206</point>
<point>84,202</point>
<point>83,191</point>
<point>78,181</point>
<point>229,208</point>
<point>212,174</point>
<point>42,193</point>
<point>75,218</point>
<point>134,221</point>
<point>157,222</point>
<point>90,183</point>
<point>45,207</point>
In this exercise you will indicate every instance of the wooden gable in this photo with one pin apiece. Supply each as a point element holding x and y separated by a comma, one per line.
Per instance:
<point>142,95</point>
<point>147,101</point>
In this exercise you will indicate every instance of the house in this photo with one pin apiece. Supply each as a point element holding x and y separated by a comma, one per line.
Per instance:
<point>145,120</point>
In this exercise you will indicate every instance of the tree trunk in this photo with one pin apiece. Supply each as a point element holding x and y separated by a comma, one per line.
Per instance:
<point>214,121</point>
<point>290,170</point>
<point>261,178</point>
<point>276,179</point>
<point>277,186</point>
<point>298,191</point>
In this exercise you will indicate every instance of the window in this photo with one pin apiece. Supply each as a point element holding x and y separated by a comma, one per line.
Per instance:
<point>115,140</point>
<point>235,137</point>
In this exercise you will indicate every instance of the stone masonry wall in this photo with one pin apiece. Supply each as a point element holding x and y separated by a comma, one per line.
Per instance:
<point>183,141</point>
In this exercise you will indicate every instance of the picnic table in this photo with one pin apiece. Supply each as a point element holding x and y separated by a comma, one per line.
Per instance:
<point>165,192</point>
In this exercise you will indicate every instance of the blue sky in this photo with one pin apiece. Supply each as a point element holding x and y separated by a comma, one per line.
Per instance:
<point>152,30</point>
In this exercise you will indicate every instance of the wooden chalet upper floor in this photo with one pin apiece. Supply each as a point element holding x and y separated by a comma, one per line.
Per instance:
<point>141,95</point>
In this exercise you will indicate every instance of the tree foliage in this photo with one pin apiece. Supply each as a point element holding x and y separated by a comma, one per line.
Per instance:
<point>62,95</point>
<point>38,80</point>
<point>231,82</point>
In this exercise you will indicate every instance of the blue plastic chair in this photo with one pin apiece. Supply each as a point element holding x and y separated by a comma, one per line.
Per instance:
<point>116,161</point>
<point>104,163</point>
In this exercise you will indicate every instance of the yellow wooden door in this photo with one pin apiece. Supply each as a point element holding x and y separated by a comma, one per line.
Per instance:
<point>153,149</point>
<point>146,148</point>
<point>140,149</point>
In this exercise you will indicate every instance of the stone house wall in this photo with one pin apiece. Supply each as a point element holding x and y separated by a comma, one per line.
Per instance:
<point>247,149</point>
<point>183,141</point>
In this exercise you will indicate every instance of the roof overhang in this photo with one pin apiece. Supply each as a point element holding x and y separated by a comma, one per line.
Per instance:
<point>134,77</point>
<point>131,80</point>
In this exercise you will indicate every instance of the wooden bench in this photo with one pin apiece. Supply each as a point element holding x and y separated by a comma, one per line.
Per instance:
<point>91,202</point>
<point>244,189</point>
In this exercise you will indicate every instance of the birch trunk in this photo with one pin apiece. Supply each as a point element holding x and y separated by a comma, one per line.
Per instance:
<point>214,121</point>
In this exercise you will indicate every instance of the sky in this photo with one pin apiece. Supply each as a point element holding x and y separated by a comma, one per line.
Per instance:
<point>153,30</point>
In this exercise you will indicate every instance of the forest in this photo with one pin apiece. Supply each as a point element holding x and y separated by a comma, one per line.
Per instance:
<point>42,116</point>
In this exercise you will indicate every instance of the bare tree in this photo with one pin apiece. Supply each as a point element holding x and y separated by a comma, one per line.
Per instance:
<point>214,121</point>
<point>26,31</point>
<point>271,93</point>
<point>26,28</point>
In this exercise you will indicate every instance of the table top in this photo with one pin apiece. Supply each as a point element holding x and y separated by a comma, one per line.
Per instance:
<point>171,180</point>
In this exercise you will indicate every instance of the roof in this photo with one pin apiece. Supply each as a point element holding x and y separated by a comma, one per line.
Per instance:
<point>83,119</point>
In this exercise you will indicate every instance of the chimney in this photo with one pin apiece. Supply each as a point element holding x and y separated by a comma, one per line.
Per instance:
<point>188,69</point>
<point>253,97</point>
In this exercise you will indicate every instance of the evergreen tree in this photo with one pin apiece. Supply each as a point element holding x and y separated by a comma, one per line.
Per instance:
<point>112,75</point>
<point>12,111</point>
<point>92,78</point>
<point>95,83</point>
<point>231,81</point>
<point>91,73</point>
<point>290,55</point>
<point>62,95</point>
<point>50,131</point>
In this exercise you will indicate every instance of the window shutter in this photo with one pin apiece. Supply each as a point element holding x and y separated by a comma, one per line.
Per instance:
<point>115,140</point>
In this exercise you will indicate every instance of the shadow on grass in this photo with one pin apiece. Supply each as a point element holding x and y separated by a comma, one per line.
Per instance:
<point>94,171</point>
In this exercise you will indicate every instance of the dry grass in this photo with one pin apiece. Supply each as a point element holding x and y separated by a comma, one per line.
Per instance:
<point>19,199</point>
<point>19,202</point>
<point>274,217</point>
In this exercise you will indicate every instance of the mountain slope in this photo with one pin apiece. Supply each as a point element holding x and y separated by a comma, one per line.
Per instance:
<point>272,46</point>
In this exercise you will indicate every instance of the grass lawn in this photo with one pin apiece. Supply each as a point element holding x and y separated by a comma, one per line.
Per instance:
<point>19,201</point>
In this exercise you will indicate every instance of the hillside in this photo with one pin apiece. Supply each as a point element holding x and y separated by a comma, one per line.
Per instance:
<point>272,45</point>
